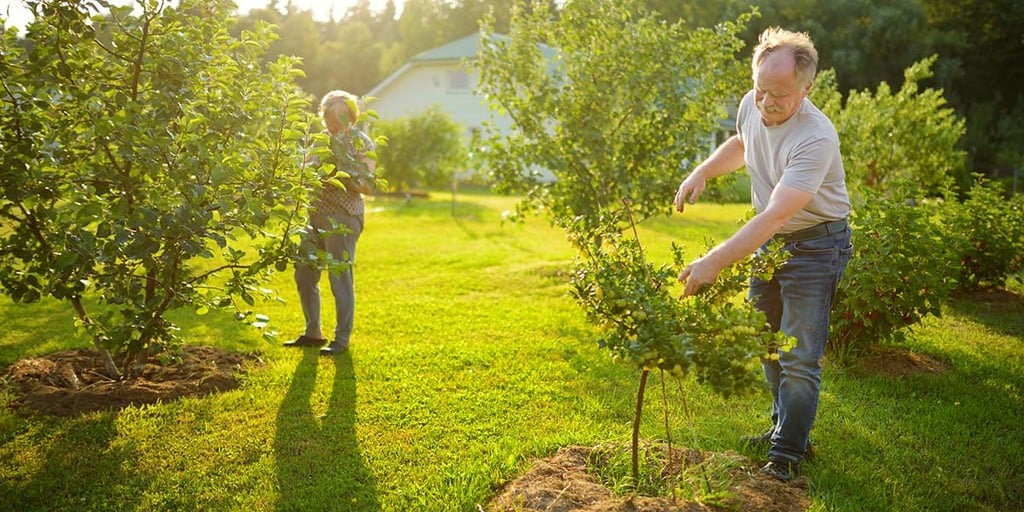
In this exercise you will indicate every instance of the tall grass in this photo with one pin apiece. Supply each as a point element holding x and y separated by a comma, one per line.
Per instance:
<point>468,361</point>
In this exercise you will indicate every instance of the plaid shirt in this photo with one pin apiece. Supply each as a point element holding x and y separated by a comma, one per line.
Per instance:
<point>333,199</point>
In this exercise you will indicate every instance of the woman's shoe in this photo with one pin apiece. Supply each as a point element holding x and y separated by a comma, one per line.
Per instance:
<point>305,341</point>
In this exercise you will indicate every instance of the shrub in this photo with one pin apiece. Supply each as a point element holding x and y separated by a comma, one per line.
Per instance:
<point>422,150</point>
<point>910,135</point>
<point>903,267</point>
<point>992,233</point>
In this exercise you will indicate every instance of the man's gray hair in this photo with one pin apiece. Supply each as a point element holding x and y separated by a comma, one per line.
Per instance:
<point>799,43</point>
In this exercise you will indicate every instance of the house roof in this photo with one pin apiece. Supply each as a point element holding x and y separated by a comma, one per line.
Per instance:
<point>466,48</point>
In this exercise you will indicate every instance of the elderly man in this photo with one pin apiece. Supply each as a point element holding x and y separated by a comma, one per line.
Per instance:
<point>791,151</point>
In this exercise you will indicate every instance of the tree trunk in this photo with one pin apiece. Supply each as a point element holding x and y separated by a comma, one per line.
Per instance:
<point>140,362</point>
<point>636,427</point>
<point>108,360</point>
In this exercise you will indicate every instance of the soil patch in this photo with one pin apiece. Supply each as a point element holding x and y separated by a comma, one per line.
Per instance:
<point>993,297</point>
<point>73,382</point>
<point>897,362</point>
<point>565,483</point>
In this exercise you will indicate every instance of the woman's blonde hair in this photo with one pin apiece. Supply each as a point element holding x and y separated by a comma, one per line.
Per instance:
<point>799,43</point>
<point>333,102</point>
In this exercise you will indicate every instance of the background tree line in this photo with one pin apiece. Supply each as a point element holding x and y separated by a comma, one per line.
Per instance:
<point>979,66</point>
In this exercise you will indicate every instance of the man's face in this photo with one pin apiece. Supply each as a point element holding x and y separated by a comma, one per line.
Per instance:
<point>777,92</point>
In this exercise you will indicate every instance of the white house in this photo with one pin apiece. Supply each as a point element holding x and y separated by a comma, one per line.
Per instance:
<point>444,77</point>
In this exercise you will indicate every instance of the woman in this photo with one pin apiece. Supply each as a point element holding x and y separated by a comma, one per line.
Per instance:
<point>336,221</point>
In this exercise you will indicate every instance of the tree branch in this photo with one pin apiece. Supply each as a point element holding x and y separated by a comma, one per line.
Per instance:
<point>111,51</point>
<point>211,272</point>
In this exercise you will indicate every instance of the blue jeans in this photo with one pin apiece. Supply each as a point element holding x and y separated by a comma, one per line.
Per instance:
<point>798,300</point>
<point>341,247</point>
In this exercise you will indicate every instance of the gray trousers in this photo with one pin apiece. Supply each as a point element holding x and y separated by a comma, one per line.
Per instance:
<point>341,247</point>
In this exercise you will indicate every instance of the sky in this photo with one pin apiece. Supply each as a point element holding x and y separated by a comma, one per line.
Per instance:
<point>16,14</point>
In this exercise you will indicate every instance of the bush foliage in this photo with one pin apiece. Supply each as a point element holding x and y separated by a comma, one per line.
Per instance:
<point>903,270</point>
<point>915,242</point>
<point>914,251</point>
<point>911,134</point>
<point>713,336</point>
<point>990,232</point>
<point>425,149</point>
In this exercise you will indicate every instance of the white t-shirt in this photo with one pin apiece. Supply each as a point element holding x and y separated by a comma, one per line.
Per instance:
<point>802,153</point>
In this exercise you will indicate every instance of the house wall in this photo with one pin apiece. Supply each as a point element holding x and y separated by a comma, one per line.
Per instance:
<point>449,86</point>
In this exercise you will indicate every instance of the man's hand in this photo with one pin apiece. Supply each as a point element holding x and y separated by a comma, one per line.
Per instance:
<point>689,190</point>
<point>727,158</point>
<point>697,274</point>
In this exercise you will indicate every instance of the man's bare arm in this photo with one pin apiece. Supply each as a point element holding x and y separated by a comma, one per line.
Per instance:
<point>727,158</point>
<point>785,202</point>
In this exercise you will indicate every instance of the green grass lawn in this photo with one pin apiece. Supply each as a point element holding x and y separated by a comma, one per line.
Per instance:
<point>468,361</point>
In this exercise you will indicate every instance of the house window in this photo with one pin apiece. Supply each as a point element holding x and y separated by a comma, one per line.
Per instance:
<point>458,81</point>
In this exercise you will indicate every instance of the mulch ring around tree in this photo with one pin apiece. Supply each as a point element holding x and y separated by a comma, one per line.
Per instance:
<point>74,382</point>
<point>896,362</point>
<point>566,482</point>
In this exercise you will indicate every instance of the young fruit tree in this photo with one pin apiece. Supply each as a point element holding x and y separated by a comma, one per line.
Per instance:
<point>598,136</point>
<point>151,162</point>
<point>624,103</point>
<point>713,336</point>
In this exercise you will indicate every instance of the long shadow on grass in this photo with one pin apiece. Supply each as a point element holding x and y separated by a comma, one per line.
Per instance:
<point>319,465</point>
<point>998,309</point>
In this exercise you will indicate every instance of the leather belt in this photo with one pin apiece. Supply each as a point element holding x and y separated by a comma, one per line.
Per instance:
<point>817,231</point>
